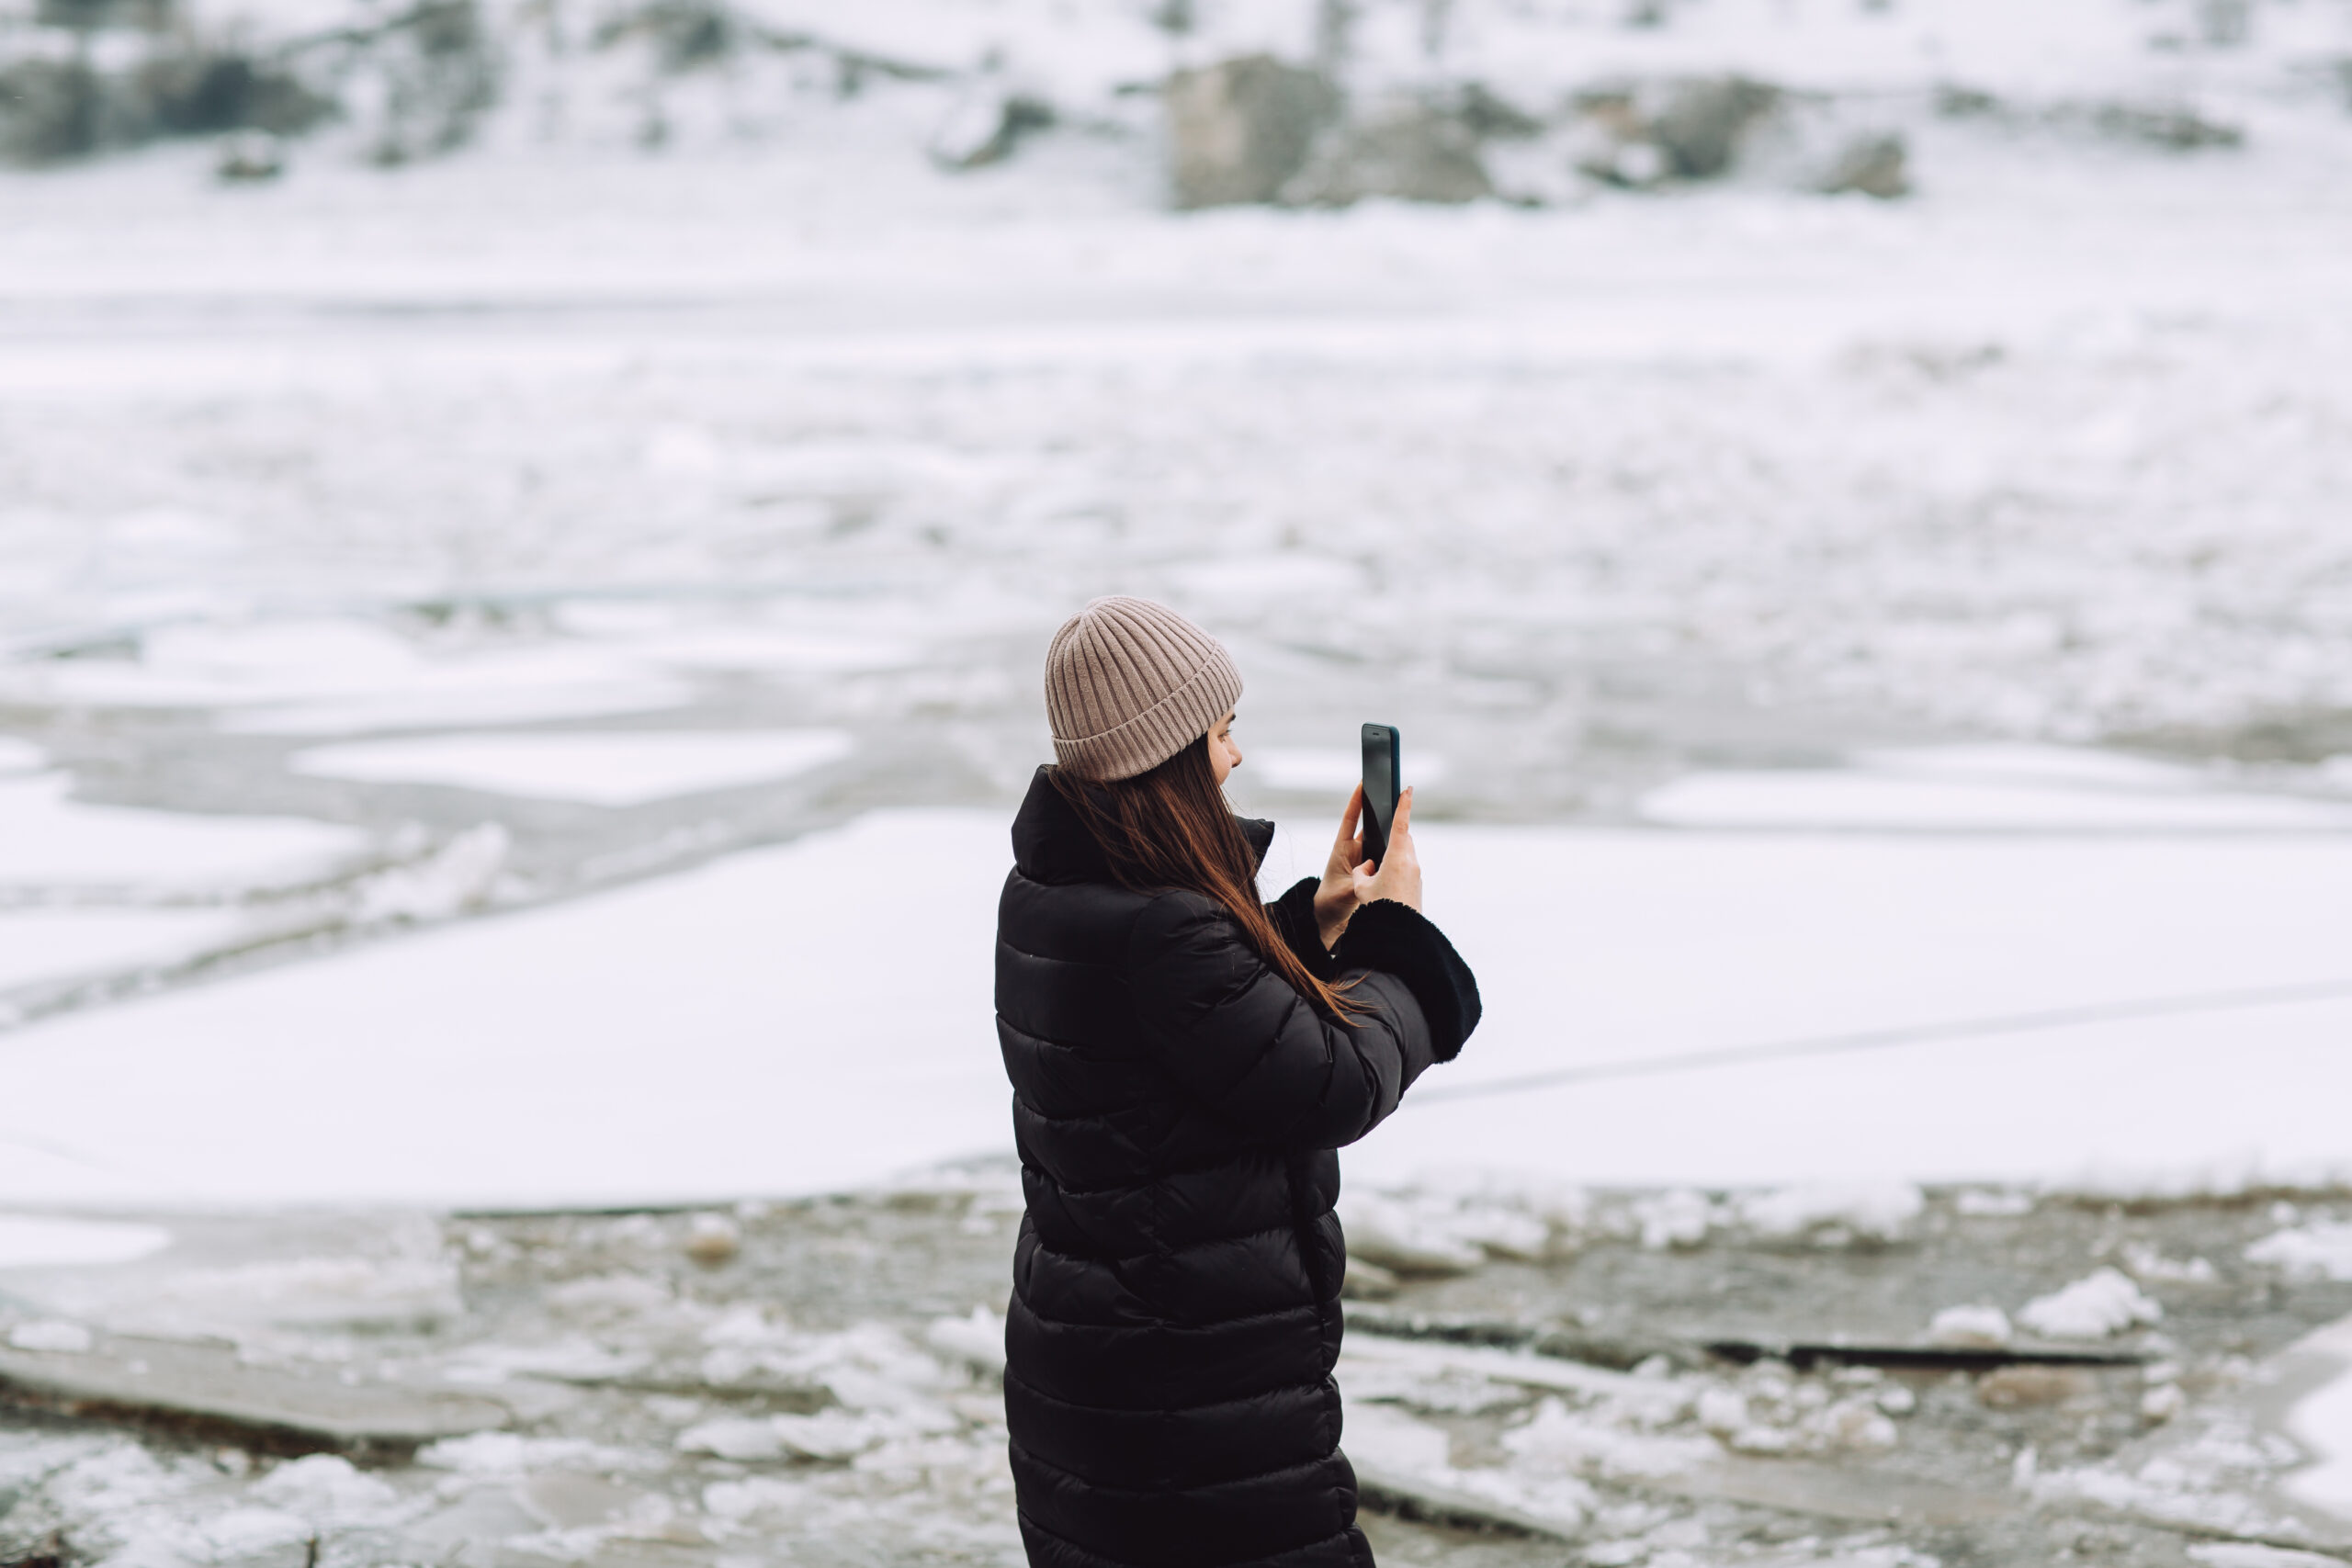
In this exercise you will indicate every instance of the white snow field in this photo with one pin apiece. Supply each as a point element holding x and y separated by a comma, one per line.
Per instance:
<point>817,1016</point>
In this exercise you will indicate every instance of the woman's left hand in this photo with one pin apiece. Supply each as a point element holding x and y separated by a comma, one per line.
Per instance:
<point>1335,899</point>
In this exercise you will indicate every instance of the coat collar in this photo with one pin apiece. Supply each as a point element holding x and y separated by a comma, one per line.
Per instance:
<point>1050,845</point>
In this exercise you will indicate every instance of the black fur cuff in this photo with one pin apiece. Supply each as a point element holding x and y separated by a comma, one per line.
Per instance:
<point>1396,939</point>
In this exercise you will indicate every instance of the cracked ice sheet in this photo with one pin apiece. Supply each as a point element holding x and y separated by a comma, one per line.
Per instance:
<point>51,945</point>
<point>818,1016</point>
<point>2322,1421</point>
<point>601,768</point>
<point>801,1019</point>
<point>48,838</point>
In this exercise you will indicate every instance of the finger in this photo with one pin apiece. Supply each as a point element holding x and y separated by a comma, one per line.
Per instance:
<point>1404,812</point>
<point>1352,816</point>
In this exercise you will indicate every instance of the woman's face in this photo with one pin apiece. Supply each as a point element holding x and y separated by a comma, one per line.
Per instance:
<point>1224,752</point>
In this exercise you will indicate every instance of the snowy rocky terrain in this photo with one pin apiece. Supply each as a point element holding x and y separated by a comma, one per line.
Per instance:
<point>1535,1376</point>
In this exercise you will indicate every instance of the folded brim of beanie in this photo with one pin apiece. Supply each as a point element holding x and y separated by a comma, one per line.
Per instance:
<point>1161,730</point>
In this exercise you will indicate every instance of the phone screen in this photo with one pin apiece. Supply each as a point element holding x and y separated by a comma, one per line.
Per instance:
<point>1382,767</point>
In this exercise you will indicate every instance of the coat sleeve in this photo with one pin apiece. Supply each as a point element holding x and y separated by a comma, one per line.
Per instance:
<point>1293,917</point>
<point>1238,1038</point>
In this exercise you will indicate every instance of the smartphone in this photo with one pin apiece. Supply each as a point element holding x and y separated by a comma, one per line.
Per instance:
<point>1384,778</point>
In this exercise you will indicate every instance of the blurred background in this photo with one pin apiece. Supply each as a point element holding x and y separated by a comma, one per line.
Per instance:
<point>528,530</point>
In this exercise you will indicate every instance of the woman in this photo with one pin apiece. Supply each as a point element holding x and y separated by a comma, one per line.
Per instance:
<point>1184,1060</point>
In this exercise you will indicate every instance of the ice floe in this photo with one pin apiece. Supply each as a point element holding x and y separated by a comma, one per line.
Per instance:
<point>1984,788</point>
<point>47,837</point>
<point>2106,1302</point>
<point>30,1241</point>
<point>601,768</point>
<point>2319,1251</point>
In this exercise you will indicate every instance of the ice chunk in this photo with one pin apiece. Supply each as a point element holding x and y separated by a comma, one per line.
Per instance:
<point>733,1436</point>
<point>1680,1218</point>
<point>978,1339</point>
<point>1410,1238</point>
<point>323,1489</point>
<point>1978,1203</point>
<point>1872,1210</point>
<point>51,1334</point>
<point>27,1242</point>
<point>1970,1327</point>
<point>2314,1252</point>
<point>2107,1302</point>
<point>2247,1554</point>
<point>458,876</point>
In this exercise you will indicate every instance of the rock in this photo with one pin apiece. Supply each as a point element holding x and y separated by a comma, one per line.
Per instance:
<point>1240,130</point>
<point>1489,116</point>
<point>985,126</point>
<point>2225,24</point>
<point>1872,165</point>
<point>205,93</point>
<point>431,74</point>
<point>1640,136</point>
<point>1702,123</point>
<point>49,110</point>
<point>249,160</point>
<point>713,1239</point>
<point>2172,126</point>
<point>1410,152</point>
<point>2010,1388</point>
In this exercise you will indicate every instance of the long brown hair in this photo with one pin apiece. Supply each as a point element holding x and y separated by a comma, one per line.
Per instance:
<point>1171,828</point>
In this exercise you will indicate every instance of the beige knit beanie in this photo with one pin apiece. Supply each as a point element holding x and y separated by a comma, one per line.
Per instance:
<point>1129,684</point>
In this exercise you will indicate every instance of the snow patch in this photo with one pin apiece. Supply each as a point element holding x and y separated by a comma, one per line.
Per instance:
<point>2317,1252</point>
<point>2105,1303</point>
<point>325,1489</point>
<point>1970,1327</point>
<point>1836,1213</point>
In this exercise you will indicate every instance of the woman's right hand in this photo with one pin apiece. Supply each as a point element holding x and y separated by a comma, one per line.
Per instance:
<point>1399,873</point>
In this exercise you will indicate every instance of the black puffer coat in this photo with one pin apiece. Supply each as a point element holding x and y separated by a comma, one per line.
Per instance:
<point>1176,1285</point>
